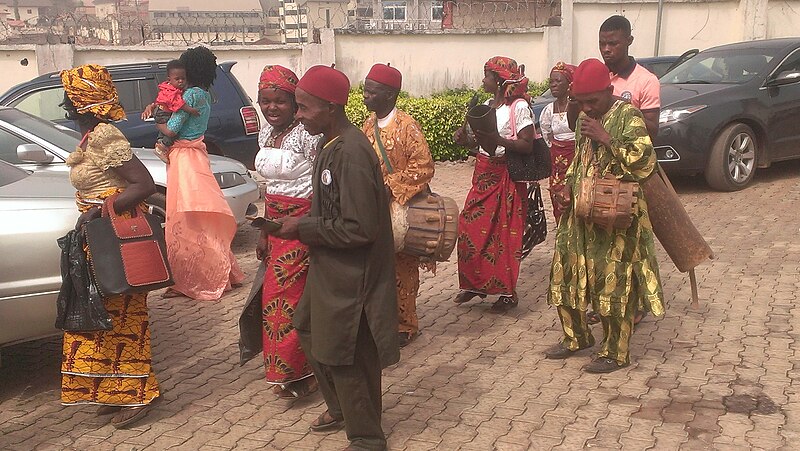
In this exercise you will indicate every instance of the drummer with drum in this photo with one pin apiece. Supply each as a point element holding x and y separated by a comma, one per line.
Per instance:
<point>407,167</point>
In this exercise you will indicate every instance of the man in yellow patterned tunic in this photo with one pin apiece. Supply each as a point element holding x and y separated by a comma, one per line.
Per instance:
<point>407,168</point>
<point>612,270</point>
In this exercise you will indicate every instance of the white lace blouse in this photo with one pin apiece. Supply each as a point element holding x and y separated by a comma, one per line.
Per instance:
<point>523,119</point>
<point>555,125</point>
<point>287,169</point>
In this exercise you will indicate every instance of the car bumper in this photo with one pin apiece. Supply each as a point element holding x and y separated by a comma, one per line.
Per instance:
<point>681,149</point>
<point>243,149</point>
<point>242,199</point>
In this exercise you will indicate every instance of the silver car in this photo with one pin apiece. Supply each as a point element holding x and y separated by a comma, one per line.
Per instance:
<point>37,204</point>
<point>35,144</point>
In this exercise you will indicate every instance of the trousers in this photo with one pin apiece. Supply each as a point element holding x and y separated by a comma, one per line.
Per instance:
<point>353,392</point>
<point>407,267</point>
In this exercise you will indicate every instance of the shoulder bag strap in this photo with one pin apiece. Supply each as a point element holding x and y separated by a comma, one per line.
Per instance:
<point>380,147</point>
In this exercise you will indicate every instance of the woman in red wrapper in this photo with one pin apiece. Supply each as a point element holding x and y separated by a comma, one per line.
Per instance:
<point>556,132</point>
<point>285,161</point>
<point>492,222</point>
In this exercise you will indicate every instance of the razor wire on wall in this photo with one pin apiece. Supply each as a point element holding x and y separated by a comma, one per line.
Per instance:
<point>292,21</point>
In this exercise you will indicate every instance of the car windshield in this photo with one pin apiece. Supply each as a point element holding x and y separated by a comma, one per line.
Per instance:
<point>58,135</point>
<point>10,173</point>
<point>720,66</point>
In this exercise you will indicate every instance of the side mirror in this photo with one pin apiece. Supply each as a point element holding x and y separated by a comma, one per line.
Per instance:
<point>786,77</point>
<point>33,153</point>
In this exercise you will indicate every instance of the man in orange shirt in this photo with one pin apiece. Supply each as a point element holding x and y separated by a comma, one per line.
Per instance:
<point>631,81</point>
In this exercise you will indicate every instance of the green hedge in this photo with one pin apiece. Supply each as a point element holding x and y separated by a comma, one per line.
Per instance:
<point>439,115</point>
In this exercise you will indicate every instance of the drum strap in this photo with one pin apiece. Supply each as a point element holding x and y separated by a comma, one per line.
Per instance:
<point>381,148</point>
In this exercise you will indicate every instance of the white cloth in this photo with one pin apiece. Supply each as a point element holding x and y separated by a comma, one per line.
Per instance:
<point>555,125</point>
<point>287,169</point>
<point>383,122</point>
<point>523,118</point>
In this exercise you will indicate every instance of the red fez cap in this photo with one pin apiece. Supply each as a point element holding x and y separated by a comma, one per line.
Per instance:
<point>326,83</point>
<point>386,75</point>
<point>590,76</point>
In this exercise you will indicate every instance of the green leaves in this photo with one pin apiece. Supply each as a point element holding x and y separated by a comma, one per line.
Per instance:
<point>439,115</point>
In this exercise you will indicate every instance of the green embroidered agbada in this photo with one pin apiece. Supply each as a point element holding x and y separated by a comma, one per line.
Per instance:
<point>592,265</point>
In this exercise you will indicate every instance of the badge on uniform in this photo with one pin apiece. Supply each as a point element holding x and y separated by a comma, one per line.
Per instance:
<point>326,177</point>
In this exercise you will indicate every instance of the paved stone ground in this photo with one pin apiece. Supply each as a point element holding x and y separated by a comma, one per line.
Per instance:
<point>725,376</point>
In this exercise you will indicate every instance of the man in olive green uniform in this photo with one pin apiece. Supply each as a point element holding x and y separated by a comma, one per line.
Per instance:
<point>347,317</point>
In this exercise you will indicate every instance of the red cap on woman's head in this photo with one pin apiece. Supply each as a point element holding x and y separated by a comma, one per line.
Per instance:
<point>590,76</point>
<point>326,83</point>
<point>386,75</point>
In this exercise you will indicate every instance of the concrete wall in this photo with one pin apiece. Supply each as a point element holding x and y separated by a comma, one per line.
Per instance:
<point>783,18</point>
<point>11,65</point>
<point>685,25</point>
<point>435,62</point>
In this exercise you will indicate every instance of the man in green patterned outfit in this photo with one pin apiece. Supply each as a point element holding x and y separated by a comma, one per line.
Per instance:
<point>610,270</point>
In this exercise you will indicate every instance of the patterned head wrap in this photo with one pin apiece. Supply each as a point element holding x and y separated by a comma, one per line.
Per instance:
<point>567,69</point>
<point>90,89</point>
<point>278,77</point>
<point>515,83</point>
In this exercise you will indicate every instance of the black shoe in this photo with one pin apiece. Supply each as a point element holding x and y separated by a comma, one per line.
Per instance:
<point>602,365</point>
<point>404,338</point>
<point>560,352</point>
<point>504,304</point>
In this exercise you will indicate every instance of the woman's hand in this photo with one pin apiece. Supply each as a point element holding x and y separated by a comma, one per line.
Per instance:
<point>88,215</point>
<point>461,137</point>
<point>148,112</point>
<point>262,248</point>
<point>563,196</point>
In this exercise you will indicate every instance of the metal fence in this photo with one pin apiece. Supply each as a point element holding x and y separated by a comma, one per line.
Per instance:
<point>291,23</point>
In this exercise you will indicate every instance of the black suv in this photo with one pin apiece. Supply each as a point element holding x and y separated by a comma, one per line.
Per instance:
<point>232,129</point>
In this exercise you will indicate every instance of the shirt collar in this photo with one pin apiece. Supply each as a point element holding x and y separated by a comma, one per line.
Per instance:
<point>626,72</point>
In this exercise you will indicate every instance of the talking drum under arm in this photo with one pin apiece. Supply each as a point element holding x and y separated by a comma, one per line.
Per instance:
<point>426,226</point>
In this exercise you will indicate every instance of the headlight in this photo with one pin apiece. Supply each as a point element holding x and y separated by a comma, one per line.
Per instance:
<point>674,114</point>
<point>229,179</point>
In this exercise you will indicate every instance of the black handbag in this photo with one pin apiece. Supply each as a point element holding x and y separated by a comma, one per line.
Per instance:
<point>79,305</point>
<point>527,167</point>
<point>129,255</point>
<point>535,220</point>
<point>530,167</point>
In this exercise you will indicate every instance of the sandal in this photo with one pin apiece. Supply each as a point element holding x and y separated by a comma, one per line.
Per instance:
<point>504,304</point>
<point>326,422</point>
<point>466,296</point>
<point>170,293</point>
<point>299,389</point>
<point>639,316</point>
<point>108,410</point>
<point>129,415</point>
<point>592,318</point>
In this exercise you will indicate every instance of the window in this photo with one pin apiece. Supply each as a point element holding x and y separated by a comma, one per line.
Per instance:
<point>437,10</point>
<point>8,147</point>
<point>44,104</point>
<point>791,64</point>
<point>394,11</point>
<point>129,95</point>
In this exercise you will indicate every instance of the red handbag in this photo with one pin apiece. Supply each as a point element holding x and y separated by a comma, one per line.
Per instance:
<point>128,255</point>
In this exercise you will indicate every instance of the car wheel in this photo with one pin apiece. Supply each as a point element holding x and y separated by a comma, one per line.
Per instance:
<point>158,206</point>
<point>732,163</point>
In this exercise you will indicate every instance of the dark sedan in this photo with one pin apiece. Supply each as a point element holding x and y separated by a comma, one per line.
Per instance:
<point>731,109</point>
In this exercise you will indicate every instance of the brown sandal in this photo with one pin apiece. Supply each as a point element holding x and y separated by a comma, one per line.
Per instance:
<point>108,410</point>
<point>299,389</point>
<point>129,415</point>
<point>466,296</point>
<point>170,293</point>
<point>326,422</point>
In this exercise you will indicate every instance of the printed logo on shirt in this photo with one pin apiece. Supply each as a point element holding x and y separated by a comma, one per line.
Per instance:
<point>326,177</point>
<point>626,95</point>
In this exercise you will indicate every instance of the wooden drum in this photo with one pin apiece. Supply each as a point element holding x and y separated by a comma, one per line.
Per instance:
<point>426,226</point>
